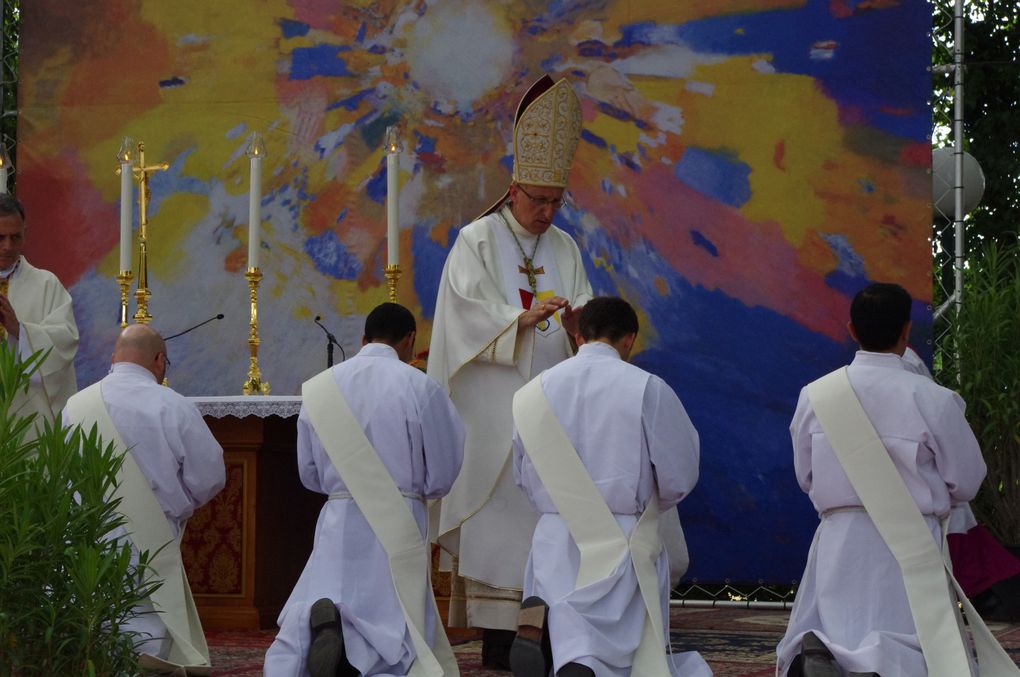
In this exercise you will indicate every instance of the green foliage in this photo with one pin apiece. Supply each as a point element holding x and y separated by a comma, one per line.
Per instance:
<point>66,587</point>
<point>986,339</point>
<point>991,114</point>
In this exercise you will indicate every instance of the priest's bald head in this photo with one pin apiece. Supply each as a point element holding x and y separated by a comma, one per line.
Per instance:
<point>140,344</point>
<point>394,325</point>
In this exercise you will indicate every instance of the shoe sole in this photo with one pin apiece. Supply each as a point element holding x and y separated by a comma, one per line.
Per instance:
<point>327,648</point>
<point>526,656</point>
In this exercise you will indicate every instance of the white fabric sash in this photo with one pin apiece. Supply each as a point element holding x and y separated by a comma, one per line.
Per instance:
<point>600,541</point>
<point>148,529</point>
<point>380,501</point>
<point>927,575</point>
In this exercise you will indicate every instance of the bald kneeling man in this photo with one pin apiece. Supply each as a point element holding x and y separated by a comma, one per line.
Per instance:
<point>174,467</point>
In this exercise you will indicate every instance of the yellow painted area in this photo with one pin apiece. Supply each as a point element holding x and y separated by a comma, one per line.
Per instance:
<point>623,135</point>
<point>752,113</point>
<point>671,12</point>
<point>168,230</point>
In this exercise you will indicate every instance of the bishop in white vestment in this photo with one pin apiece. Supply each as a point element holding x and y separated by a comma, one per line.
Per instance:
<point>414,428</point>
<point>852,594</point>
<point>506,305</point>
<point>35,315</point>
<point>173,447</point>
<point>637,442</point>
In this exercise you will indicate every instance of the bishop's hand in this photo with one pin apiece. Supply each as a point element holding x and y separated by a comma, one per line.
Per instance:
<point>542,310</point>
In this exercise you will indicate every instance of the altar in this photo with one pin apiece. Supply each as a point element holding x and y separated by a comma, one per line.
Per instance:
<point>245,549</point>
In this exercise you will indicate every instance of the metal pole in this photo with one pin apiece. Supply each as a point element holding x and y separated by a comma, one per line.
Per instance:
<point>958,165</point>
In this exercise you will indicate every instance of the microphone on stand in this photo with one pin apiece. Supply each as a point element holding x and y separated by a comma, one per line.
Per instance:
<point>330,342</point>
<point>182,333</point>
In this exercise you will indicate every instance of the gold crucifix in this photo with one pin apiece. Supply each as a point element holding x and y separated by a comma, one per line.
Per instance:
<point>141,173</point>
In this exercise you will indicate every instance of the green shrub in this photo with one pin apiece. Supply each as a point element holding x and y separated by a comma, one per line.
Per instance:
<point>66,589</point>
<point>986,341</point>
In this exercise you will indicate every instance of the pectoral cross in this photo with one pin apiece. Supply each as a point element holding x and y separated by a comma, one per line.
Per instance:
<point>532,272</point>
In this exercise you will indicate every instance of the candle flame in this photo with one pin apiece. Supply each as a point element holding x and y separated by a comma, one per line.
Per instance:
<point>393,144</point>
<point>126,153</point>
<point>256,148</point>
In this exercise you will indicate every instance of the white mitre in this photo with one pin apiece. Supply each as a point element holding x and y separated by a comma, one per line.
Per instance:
<point>547,129</point>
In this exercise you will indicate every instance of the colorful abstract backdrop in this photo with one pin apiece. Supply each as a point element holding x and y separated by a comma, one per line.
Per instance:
<point>746,166</point>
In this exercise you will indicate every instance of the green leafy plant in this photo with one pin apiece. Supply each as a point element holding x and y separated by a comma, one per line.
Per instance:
<point>985,340</point>
<point>66,586</point>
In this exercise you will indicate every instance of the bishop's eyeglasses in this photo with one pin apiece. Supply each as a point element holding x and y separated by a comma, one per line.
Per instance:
<point>542,202</point>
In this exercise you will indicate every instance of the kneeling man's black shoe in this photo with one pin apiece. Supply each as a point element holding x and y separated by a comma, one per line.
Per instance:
<point>815,659</point>
<point>575,670</point>
<point>531,653</point>
<point>326,655</point>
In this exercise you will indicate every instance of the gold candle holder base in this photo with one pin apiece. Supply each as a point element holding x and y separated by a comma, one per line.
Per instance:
<point>124,280</point>
<point>142,315</point>
<point>254,385</point>
<point>392,273</point>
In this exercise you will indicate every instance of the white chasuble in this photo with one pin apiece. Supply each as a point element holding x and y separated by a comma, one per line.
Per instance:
<point>46,321</point>
<point>478,353</point>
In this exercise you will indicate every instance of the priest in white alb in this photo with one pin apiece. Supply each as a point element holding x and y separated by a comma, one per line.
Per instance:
<point>172,467</point>
<point>600,448</point>
<point>506,308</point>
<point>380,438</point>
<point>883,453</point>
<point>35,315</point>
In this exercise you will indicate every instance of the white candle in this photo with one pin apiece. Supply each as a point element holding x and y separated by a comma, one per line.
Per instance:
<point>255,210</point>
<point>392,199</point>
<point>126,195</point>
<point>3,180</point>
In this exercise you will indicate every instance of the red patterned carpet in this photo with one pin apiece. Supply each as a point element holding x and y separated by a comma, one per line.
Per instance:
<point>735,642</point>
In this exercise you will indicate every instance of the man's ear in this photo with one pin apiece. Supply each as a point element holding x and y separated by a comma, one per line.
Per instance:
<point>364,340</point>
<point>853,332</point>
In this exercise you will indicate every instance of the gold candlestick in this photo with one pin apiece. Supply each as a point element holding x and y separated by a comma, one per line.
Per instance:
<point>141,173</point>
<point>392,273</point>
<point>254,385</point>
<point>124,280</point>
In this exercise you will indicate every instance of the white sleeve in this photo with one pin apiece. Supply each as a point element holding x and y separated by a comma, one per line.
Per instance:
<point>673,444</point>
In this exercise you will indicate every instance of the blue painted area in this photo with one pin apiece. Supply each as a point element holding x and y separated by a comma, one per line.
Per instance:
<point>373,129</point>
<point>719,175</point>
<point>593,139</point>
<point>429,257</point>
<point>508,163</point>
<point>376,186</point>
<point>351,102</point>
<point>551,64</point>
<point>331,257</point>
<point>320,60</point>
<point>175,81</point>
<point>424,144</point>
<point>703,242</point>
<point>360,37</point>
<point>293,29</point>
<point>891,46</point>
<point>342,215</point>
